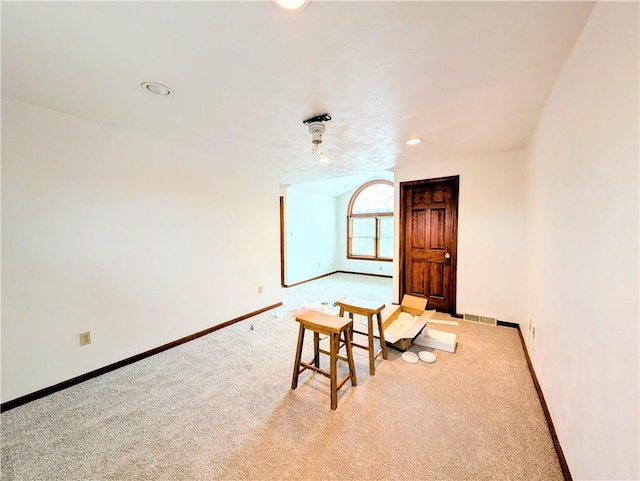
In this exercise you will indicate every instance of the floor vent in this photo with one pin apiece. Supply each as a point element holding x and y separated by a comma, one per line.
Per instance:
<point>481,319</point>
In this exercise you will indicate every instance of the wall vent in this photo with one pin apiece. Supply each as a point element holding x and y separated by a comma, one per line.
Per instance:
<point>488,320</point>
<point>481,319</point>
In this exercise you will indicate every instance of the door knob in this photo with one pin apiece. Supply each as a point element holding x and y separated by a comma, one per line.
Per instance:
<point>447,255</point>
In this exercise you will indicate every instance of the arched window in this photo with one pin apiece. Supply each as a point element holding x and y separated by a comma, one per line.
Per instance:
<point>370,222</point>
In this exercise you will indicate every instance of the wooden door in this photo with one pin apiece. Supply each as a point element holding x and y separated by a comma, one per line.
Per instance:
<point>428,241</point>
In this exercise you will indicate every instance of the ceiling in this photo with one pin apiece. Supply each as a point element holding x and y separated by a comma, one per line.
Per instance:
<point>470,78</point>
<point>338,186</point>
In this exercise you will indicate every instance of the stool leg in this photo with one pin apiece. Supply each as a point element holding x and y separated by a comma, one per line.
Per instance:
<point>333,351</point>
<point>348,348</point>
<point>372,351</point>
<point>383,344</point>
<point>351,328</point>
<point>296,366</point>
<point>316,349</point>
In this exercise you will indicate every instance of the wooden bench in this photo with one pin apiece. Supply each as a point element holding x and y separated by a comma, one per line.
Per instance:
<point>336,328</point>
<point>369,310</point>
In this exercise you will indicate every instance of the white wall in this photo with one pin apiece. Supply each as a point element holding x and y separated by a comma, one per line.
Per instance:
<point>581,287</point>
<point>355,265</point>
<point>138,241</point>
<point>310,235</point>
<point>490,227</point>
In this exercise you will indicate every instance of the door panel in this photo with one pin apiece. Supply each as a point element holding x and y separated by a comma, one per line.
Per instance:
<point>418,277</point>
<point>437,229</point>
<point>418,225</point>
<point>428,241</point>
<point>436,280</point>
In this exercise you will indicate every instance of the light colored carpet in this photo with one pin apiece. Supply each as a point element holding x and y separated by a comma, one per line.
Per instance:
<point>221,407</point>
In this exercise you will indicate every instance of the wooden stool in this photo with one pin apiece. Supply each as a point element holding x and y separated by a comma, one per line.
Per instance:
<point>368,309</point>
<point>334,327</point>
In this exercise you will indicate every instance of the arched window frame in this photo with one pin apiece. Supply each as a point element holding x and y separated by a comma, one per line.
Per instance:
<point>376,215</point>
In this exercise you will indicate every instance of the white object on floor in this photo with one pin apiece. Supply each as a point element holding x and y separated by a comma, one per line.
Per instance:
<point>434,339</point>
<point>402,324</point>
<point>280,313</point>
<point>410,357</point>
<point>427,356</point>
<point>443,322</point>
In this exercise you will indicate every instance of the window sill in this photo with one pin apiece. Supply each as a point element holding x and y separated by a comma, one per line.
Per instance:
<point>363,258</point>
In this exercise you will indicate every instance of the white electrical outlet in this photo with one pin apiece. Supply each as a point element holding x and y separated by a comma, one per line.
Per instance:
<point>259,289</point>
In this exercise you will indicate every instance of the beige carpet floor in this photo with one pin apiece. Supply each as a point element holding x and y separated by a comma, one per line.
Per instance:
<point>221,407</point>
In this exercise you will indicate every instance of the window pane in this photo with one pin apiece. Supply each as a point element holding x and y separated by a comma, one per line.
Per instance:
<point>386,247</point>
<point>386,226</point>
<point>363,234</point>
<point>375,199</point>
<point>364,227</point>
<point>386,237</point>
<point>363,246</point>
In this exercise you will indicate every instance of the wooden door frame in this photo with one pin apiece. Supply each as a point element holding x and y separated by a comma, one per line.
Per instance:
<point>404,187</point>
<point>282,239</point>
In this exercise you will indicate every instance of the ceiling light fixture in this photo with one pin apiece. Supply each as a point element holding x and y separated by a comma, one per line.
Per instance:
<point>413,141</point>
<point>157,89</point>
<point>293,5</point>
<point>316,129</point>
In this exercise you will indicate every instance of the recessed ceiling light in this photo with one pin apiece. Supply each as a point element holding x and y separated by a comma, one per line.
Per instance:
<point>294,5</point>
<point>157,89</point>
<point>413,141</point>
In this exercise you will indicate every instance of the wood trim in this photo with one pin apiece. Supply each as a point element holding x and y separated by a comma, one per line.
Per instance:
<point>378,259</point>
<point>337,272</point>
<point>456,189</point>
<point>348,232</point>
<point>384,214</point>
<point>130,360</point>
<point>401,237</point>
<point>365,274</point>
<point>514,325</point>
<point>282,239</point>
<point>309,280</point>
<point>554,437</point>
